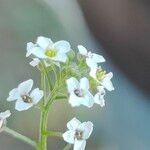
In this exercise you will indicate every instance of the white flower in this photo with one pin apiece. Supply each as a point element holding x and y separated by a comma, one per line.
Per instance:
<point>3,117</point>
<point>34,62</point>
<point>78,133</point>
<point>79,92</point>
<point>102,78</point>
<point>24,96</point>
<point>92,59</point>
<point>99,97</point>
<point>46,49</point>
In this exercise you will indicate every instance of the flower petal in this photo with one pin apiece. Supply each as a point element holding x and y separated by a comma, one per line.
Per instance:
<point>87,100</point>
<point>30,45</point>
<point>61,57</point>
<point>34,62</point>
<point>36,95</point>
<point>99,99</point>
<point>79,145</point>
<point>13,95</point>
<point>25,87</point>
<point>44,42</point>
<point>84,84</point>
<point>38,52</point>
<point>98,58</point>
<point>62,46</point>
<point>21,105</point>
<point>82,50</point>
<point>87,128</point>
<point>75,100</point>
<point>72,84</point>
<point>68,136</point>
<point>6,114</point>
<point>93,72</point>
<point>73,124</point>
<point>106,82</point>
<point>91,63</point>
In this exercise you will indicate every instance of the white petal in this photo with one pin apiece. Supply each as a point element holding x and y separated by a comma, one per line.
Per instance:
<point>34,62</point>
<point>84,84</point>
<point>106,82</point>
<point>93,72</point>
<point>1,123</point>
<point>82,50</point>
<point>13,95</point>
<point>30,45</point>
<point>62,46</point>
<point>38,52</point>
<point>91,63</point>
<point>6,114</point>
<point>99,99</point>
<point>44,42</point>
<point>74,100</point>
<point>87,128</point>
<point>61,57</point>
<point>21,105</point>
<point>98,58</point>
<point>101,89</point>
<point>87,100</point>
<point>68,136</point>
<point>72,84</point>
<point>36,95</point>
<point>73,124</point>
<point>25,87</point>
<point>79,145</point>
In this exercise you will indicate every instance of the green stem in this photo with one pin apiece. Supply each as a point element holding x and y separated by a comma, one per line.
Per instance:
<point>47,76</point>
<point>61,97</point>
<point>20,137</point>
<point>43,129</point>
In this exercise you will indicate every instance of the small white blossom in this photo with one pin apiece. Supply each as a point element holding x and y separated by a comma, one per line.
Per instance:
<point>3,117</point>
<point>92,59</point>
<point>34,62</point>
<point>78,133</point>
<point>79,92</point>
<point>46,49</point>
<point>102,78</point>
<point>25,98</point>
<point>99,97</point>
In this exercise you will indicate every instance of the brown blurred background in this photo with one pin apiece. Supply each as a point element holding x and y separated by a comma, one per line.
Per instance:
<point>123,29</point>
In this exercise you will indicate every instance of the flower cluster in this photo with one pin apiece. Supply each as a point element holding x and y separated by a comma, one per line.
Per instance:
<point>65,75</point>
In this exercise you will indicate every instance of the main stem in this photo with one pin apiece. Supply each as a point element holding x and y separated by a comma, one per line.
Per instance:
<point>43,130</point>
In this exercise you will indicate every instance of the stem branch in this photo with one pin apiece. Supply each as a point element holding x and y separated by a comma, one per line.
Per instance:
<point>20,137</point>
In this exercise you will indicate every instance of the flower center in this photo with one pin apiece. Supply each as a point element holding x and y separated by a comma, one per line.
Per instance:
<point>26,98</point>
<point>78,135</point>
<point>79,92</point>
<point>100,74</point>
<point>50,52</point>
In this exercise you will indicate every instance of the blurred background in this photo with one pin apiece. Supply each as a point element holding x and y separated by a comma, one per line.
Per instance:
<point>118,30</point>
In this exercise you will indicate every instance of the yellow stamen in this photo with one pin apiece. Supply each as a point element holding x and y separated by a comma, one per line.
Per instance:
<point>50,52</point>
<point>100,74</point>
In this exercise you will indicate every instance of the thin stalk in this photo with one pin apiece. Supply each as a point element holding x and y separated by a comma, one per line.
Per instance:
<point>43,129</point>
<point>47,76</point>
<point>20,137</point>
<point>61,97</point>
<point>44,117</point>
